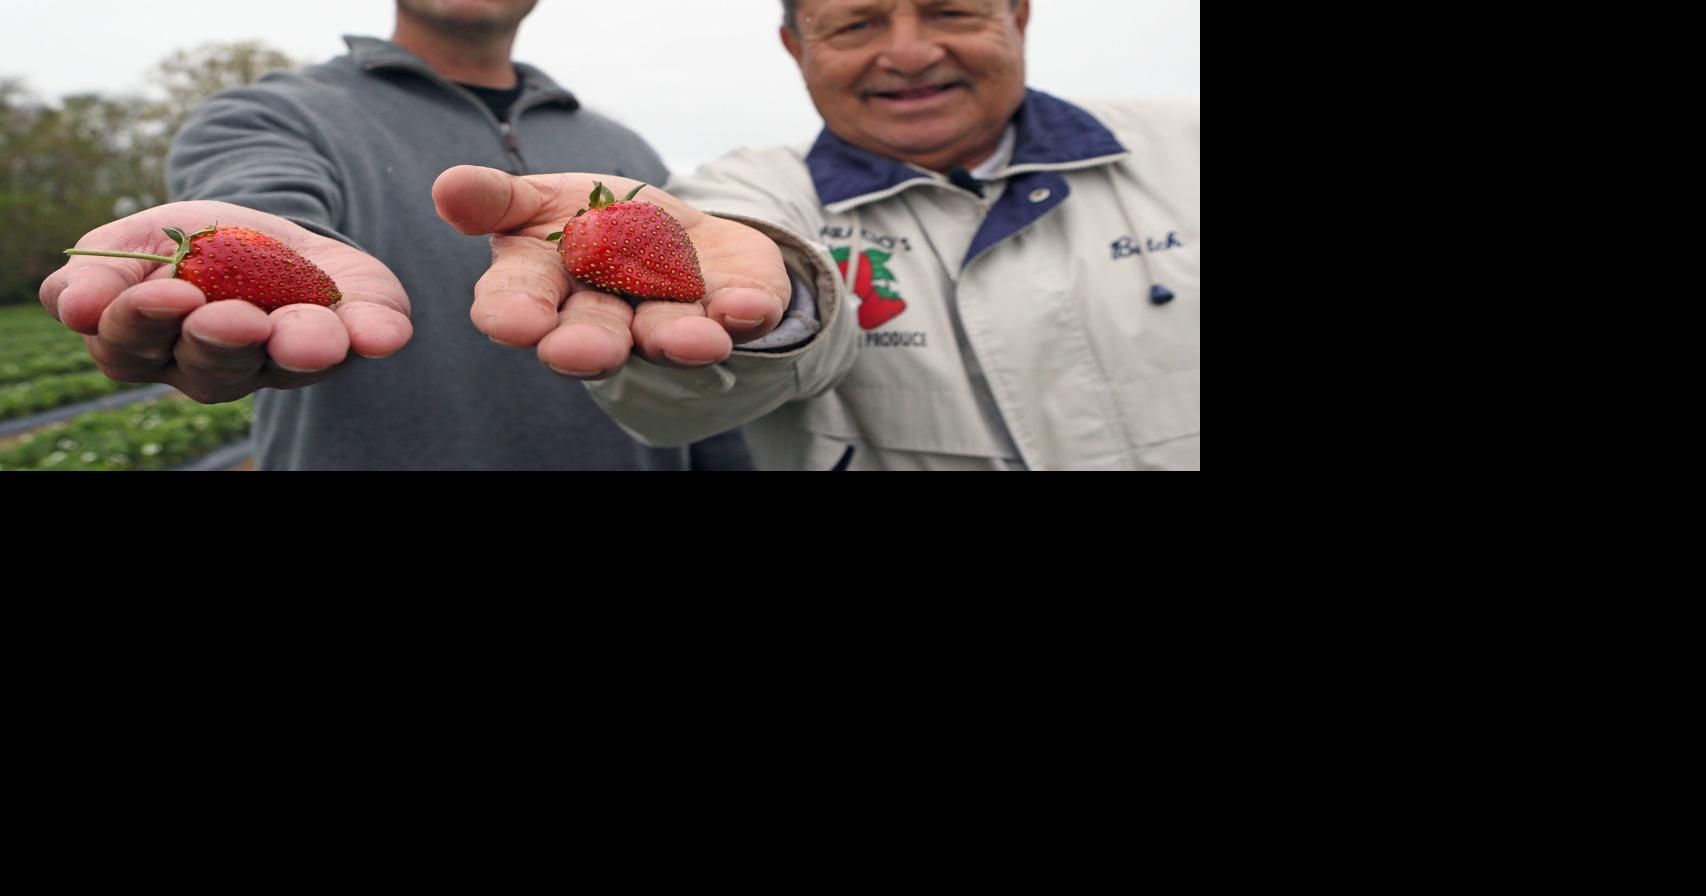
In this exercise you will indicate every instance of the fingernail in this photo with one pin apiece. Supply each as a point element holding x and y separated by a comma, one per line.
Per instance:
<point>283,366</point>
<point>217,343</point>
<point>577,374</point>
<point>743,323</point>
<point>674,360</point>
<point>159,313</point>
<point>505,344</point>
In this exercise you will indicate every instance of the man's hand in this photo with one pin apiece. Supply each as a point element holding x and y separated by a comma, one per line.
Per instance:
<point>142,325</point>
<point>528,299</point>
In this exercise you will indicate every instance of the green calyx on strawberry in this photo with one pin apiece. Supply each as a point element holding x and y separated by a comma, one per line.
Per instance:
<point>239,263</point>
<point>629,248</point>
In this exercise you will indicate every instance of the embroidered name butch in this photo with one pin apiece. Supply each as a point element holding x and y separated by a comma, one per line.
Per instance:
<point>1127,246</point>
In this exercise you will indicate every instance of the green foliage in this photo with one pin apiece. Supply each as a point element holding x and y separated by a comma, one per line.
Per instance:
<point>49,392</point>
<point>62,168</point>
<point>70,167</point>
<point>31,323</point>
<point>25,329</point>
<point>154,435</point>
<point>34,345</point>
<point>42,365</point>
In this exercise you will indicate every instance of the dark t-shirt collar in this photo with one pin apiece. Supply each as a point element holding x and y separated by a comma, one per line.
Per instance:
<point>499,99</point>
<point>373,54</point>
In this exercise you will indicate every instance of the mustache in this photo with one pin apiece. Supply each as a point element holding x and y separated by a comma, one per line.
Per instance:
<point>932,78</point>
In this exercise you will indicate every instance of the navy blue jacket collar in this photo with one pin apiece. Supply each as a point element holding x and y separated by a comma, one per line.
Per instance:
<point>1052,134</point>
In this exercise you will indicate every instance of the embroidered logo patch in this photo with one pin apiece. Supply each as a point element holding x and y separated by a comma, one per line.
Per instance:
<point>879,300</point>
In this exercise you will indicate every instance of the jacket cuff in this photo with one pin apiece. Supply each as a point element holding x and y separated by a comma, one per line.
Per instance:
<point>799,322</point>
<point>812,271</point>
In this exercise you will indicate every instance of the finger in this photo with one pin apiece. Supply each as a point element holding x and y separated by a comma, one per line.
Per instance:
<point>79,293</point>
<point>375,331</point>
<point>307,339</point>
<point>746,313</point>
<point>517,300</point>
<point>51,288</point>
<point>478,200</point>
<point>593,339</point>
<point>484,200</point>
<point>678,334</point>
<point>223,343</point>
<point>140,327</point>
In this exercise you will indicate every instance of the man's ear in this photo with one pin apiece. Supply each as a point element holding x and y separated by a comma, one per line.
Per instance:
<point>792,42</point>
<point>1022,15</point>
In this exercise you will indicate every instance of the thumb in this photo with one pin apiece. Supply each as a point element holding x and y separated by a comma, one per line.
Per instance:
<point>477,200</point>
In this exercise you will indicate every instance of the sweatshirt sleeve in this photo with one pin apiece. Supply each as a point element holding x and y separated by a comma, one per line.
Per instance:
<point>251,147</point>
<point>771,192</point>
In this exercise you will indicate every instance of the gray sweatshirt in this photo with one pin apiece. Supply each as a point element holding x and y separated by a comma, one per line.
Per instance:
<point>350,149</point>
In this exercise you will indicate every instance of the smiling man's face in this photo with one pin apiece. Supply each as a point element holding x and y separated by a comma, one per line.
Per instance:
<point>932,82</point>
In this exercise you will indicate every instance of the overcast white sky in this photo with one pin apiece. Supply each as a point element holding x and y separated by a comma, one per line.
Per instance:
<point>715,74</point>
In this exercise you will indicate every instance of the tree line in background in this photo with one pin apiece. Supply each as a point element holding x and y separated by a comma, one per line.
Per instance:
<point>70,167</point>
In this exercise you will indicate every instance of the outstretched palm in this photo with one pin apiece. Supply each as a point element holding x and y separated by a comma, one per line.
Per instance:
<point>143,325</point>
<point>528,299</point>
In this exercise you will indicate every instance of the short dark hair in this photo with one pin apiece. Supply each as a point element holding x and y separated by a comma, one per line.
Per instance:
<point>788,7</point>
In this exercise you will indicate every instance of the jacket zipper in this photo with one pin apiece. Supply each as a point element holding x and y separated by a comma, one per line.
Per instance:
<point>506,131</point>
<point>512,144</point>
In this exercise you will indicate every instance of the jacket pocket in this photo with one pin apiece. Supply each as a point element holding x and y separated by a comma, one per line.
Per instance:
<point>923,421</point>
<point>1163,407</point>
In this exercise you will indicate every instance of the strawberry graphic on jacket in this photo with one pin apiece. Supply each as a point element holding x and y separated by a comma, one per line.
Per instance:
<point>879,302</point>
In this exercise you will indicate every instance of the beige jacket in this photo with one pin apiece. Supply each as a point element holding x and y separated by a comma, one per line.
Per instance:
<point>1053,324</point>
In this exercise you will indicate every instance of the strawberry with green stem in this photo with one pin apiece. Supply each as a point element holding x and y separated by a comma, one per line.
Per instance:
<point>239,263</point>
<point>629,248</point>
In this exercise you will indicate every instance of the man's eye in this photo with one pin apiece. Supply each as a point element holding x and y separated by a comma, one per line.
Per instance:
<point>854,26</point>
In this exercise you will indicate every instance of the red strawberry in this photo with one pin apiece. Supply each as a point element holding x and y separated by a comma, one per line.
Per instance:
<point>630,248</point>
<point>239,263</point>
<point>862,281</point>
<point>879,308</point>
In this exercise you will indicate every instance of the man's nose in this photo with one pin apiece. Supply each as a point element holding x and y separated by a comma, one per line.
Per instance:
<point>911,48</point>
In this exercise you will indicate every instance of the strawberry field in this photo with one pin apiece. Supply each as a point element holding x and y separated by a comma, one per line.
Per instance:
<point>153,435</point>
<point>45,368</point>
<point>43,365</point>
